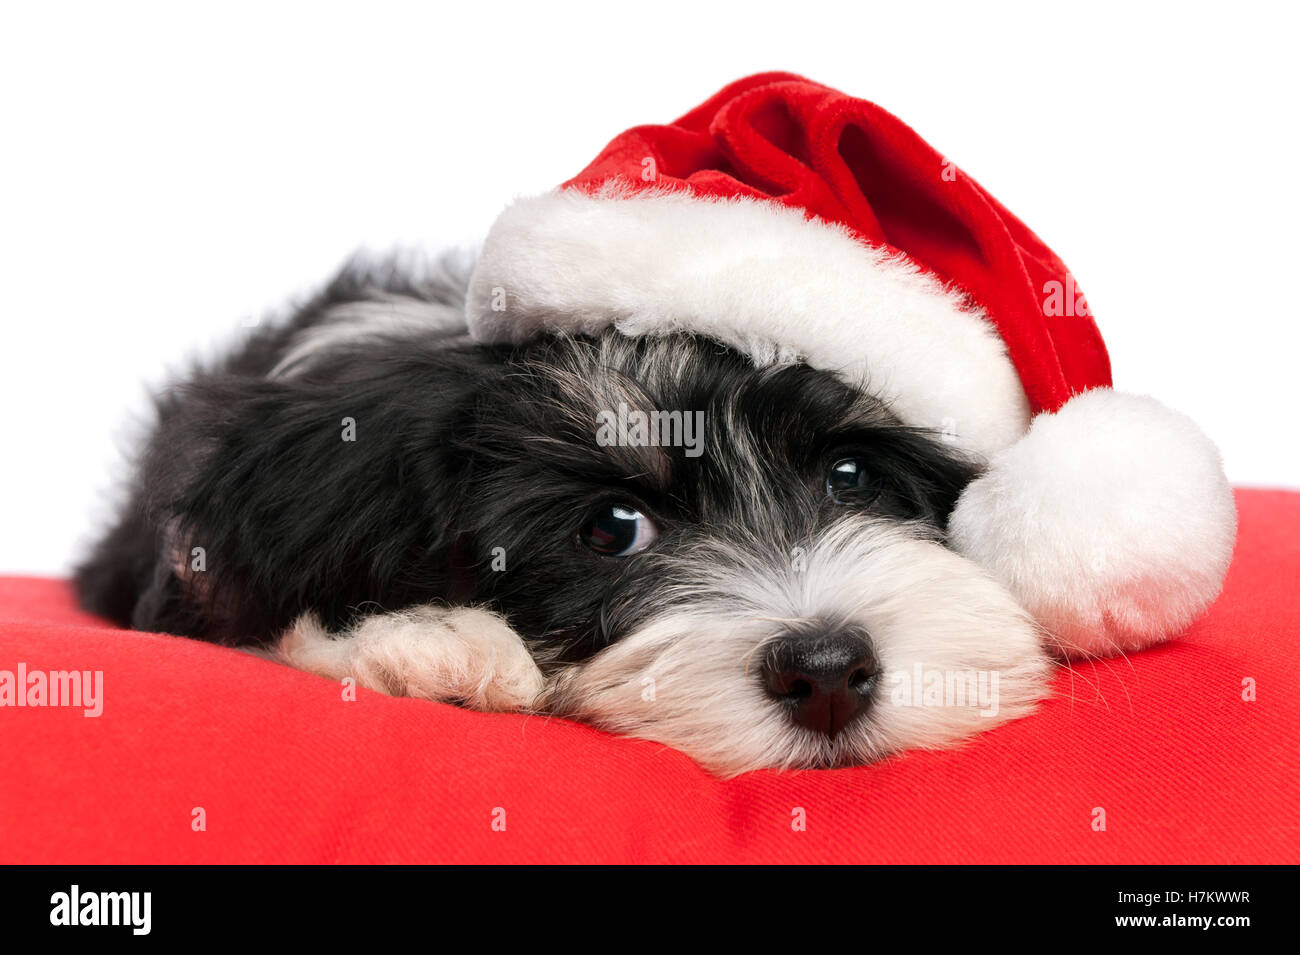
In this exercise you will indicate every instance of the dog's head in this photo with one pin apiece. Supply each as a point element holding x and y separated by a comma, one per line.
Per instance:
<point>744,563</point>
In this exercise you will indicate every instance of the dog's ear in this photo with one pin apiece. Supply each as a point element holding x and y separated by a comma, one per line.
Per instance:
<point>335,492</point>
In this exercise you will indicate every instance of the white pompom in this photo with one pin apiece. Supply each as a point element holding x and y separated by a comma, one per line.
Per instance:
<point>1111,521</point>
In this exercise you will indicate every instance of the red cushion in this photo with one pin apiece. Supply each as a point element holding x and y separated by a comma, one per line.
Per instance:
<point>286,770</point>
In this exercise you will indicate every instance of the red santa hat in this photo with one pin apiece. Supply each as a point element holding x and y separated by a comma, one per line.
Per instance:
<point>793,222</point>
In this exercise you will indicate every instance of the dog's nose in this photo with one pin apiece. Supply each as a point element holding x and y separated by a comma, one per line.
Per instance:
<point>825,678</point>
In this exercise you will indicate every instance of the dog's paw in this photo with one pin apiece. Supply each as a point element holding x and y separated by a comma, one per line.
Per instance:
<point>462,655</point>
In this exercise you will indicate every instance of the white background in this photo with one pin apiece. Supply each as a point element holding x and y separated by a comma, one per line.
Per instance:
<point>165,173</point>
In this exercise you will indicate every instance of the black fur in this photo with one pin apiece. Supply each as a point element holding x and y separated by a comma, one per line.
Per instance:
<point>461,449</point>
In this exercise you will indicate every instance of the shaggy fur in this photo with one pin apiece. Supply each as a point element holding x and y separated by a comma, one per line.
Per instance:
<point>365,492</point>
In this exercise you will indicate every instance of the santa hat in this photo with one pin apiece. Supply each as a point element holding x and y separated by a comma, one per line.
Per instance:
<point>793,222</point>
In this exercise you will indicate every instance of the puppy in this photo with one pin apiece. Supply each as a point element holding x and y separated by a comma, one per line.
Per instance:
<point>649,534</point>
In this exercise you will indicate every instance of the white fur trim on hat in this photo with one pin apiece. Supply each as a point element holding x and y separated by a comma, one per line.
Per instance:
<point>760,277</point>
<point>1111,521</point>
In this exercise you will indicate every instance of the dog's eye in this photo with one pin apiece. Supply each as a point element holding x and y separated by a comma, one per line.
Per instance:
<point>618,531</point>
<point>849,482</point>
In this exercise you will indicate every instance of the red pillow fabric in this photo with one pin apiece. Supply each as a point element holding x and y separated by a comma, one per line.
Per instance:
<point>1164,747</point>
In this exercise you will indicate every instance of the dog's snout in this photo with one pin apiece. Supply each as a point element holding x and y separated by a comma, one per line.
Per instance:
<point>824,676</point>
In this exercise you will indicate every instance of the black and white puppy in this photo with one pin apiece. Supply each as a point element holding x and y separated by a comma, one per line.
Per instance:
<point>365,492</point>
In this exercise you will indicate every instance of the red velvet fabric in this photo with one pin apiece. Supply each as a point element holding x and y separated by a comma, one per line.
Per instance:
<point>1185,769</point>
<point>780,137</point>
